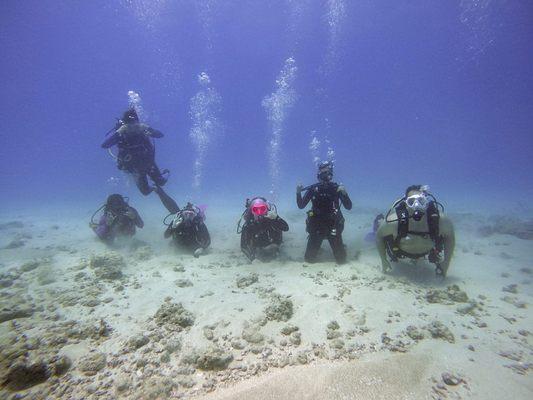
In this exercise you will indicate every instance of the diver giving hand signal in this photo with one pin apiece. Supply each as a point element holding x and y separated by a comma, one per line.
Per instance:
<point>325,219</point>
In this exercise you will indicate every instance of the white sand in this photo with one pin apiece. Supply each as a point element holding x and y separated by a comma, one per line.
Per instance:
<point>370,308</point>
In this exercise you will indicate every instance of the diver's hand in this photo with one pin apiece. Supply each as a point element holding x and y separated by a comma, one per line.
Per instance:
<point>272,214</point>
<point>130,214</point>
<point>118,124</point>
<point>299,188</point>
<point>341,189</point>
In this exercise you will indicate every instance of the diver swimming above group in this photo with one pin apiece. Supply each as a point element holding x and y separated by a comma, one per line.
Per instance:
<point>414,227</point>
<point>136,156</point>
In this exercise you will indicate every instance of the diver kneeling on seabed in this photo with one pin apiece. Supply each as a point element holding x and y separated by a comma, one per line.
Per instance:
<point>188,229</point>
<point>118,219</point>
<point>261,228</point>
<point>325,219</point>
<point>414,228</point>
<point>136,156</point>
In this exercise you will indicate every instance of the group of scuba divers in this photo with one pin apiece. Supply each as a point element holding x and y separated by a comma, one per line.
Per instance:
<point>414,227</point>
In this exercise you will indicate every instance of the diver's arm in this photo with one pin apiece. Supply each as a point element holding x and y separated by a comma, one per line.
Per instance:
<point>280,224</point>
<point>448,235</point>
<point>345,199</point>
<point>384,231</point>
<point>137,218</point>
<point>153,132</point>
<point>101,229</point>
<point>111,140</point>
<point>302,202</point>
<point>203,237</point>
<point>245,238</point>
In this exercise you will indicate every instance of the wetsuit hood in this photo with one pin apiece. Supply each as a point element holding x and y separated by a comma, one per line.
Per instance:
<point>130,116</point>
<point>115,202</point>
<point>325,171</point>
<point>259,207</point>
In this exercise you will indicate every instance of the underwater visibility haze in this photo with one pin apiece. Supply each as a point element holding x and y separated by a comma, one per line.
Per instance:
<point>402,92</point>
<point>245,99</point>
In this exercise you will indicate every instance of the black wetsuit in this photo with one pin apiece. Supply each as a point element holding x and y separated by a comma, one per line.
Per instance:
<point>325,219</point>
<point>136,155</point>
<point>261,233</point>
<point>192,235</point>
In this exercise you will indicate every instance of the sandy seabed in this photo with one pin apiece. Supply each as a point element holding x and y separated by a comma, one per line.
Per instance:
<point>80,320</point>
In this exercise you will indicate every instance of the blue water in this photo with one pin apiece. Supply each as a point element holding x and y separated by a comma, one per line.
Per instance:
<point>399,93</point>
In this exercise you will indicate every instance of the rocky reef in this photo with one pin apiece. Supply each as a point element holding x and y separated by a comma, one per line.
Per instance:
<point>107,266</point>
<point>508,226</point>
<point>173,316</point>
<point>279,309</point>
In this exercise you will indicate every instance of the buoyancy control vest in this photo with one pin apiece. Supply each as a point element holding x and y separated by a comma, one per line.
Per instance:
<point>325,200</point>
<point>433,219</point>
<point>134,143</point>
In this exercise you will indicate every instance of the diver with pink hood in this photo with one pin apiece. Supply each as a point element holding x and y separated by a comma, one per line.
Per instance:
<point>261,228</point>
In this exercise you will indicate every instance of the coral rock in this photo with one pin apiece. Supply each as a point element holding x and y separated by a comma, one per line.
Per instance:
<point>92,363</point>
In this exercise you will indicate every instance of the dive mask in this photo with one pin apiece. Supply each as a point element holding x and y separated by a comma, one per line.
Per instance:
<point>325,171</point>
<point>259,207</point>
<point>417,204</point>
<point>188,215</point>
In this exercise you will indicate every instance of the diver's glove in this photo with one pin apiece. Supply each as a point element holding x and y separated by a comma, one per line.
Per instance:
<point>341,189</point>
<point>272,214</point>
<point>118,124</point>
<point>299,188</point>
<point>129,213</point>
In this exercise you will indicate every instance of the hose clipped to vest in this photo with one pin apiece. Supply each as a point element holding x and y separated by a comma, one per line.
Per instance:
<point>92,223</point>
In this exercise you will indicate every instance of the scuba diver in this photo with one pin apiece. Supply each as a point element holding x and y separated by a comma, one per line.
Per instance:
<point>261,228</point>
<point>325,219</point>
<point>188,229</point>
<point>414,227</point>
<point>118,219</point>
<point>136,156</point>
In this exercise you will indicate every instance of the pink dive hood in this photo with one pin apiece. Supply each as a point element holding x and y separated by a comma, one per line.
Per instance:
<point>259,207</point>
